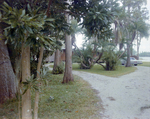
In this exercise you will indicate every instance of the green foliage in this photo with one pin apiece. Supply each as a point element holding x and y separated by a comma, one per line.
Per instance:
<point>99,17</point>
<point>24,26</point>
<point>34,55</point>
<point>27,26</point>
<point>59,69</point>
<point>33,83</point>
<point>84,56</point>
<point>121,54</point>
<point>111,59</point>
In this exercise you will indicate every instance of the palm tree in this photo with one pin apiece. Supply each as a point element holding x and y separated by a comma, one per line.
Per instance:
<point>129,23</point>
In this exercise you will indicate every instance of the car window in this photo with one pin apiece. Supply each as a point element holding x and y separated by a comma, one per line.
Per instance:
<point>132,58</point>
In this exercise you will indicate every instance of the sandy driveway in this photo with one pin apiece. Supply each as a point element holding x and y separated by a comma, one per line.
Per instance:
<point>125,97</point>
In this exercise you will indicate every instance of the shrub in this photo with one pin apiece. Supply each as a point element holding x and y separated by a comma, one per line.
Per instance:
<point>83,56</point>
<point>111,60</point>
<point>59,69</point>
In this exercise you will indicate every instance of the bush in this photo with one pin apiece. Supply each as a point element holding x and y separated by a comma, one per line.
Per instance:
<point>111,60</point>
<point>84,58</point>
<point>59,69</point>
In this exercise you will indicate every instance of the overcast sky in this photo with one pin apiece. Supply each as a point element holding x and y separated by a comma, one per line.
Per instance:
<point>145,43</point>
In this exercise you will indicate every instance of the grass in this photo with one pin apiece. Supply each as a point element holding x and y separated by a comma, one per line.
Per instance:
<point>9,110</point>
<point>147,64</point>
<point>97,69</point>
<point>75,100</point>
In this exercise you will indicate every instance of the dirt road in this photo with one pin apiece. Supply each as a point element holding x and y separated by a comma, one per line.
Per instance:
<point>125,97</point>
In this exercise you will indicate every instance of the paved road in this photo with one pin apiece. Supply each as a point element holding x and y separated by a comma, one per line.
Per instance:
<point>125,97</point>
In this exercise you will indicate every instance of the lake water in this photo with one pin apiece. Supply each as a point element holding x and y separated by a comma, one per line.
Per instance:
<point>145,59</point>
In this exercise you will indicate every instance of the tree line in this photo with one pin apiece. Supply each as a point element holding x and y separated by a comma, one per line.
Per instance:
<point>144,54</point>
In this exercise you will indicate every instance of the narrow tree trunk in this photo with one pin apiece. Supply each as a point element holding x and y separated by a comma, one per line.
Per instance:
<point>95,41</point>
<point>18,79</point>
<point>18,73</point>
<point>68,61</point>
<point>138,38</point>
<point>38,76</point>
<point>131,49</point>
<point>138,52</point>
<point>128,64</point>
<point>57,59</point>
<point>73,38</point>
<point>120,46</point>
<point>26,98</point>
<point>68,58</point>
<point>7,76</point>
<point>137,45</point>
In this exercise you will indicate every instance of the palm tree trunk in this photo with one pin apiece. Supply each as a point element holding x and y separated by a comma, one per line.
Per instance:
<point>57,59</point>
<point>128,64</point>
<point>68,61</point>
<point>8,86</point>
<point>95,41</point>
<point>38,76</point>
<point>68,58</point>
<point>138,45</point>
<point>26,98</point>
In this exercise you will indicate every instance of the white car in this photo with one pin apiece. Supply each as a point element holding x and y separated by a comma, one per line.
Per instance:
<point>132,60</point>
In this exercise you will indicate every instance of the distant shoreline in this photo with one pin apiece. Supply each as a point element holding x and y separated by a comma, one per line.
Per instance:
<point>144,59</point>
<point>144,56</point>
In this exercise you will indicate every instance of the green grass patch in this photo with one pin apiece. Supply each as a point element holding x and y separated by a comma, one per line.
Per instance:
<point>9,110</point>
<point>75,100</point>
<point>97,69</point>
<point>146,64</point>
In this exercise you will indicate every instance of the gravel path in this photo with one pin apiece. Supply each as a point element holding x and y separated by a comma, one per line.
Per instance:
<point>125,97</point>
